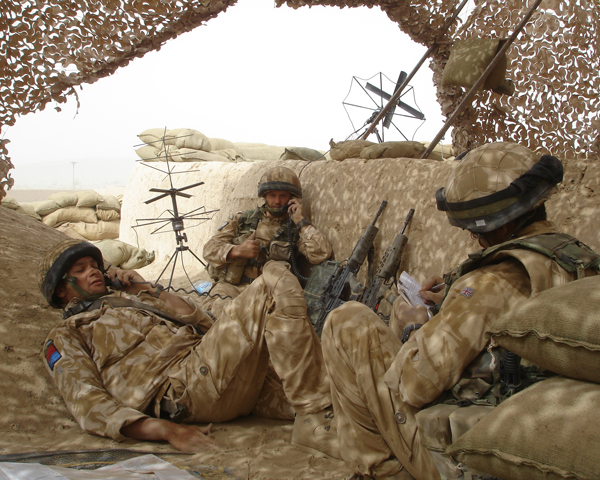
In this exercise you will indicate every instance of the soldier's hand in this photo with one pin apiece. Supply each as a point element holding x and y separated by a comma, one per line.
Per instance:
<point>191,438</point>
<point>295,210</point>
<point>403,315</point>
<point>435,296</point>
<point>249,248</point>
<point>186,438</point>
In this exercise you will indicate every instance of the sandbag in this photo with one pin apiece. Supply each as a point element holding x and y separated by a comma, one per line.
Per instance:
<point>28,209</point>
<point>45,207</point>
<point>192,155</point>
<point>549,431</point>
<point>88,198</point>
<point>440,152</point>
<point>154,137</point>
<point>64,199</point>
<point>108,215</point>
<point>347,149</point>
<point>229,154</point>
<point>110,202</point>
<point>221,144</point>
<point>301,153</point>
<point>559,329</point>
<point>393,150</point>
<point>69,232</point>
<point>190,138</point>
<point>98,231</point>
<point>468,60</point>
<point>269,153</point>
<point>123,255</point>
<point>69,215</point>
<point>10,202</point>
<point>148,153</point>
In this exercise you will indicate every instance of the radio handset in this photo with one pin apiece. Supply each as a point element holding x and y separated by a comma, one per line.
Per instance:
<point>114,284</point>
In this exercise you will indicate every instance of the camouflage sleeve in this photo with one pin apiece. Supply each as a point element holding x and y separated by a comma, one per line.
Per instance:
<point>313,245</point>
<point>78,380</point>
<point>216,249</point>
<point>433,360</point>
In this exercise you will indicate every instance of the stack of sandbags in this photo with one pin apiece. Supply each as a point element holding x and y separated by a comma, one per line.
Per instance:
<point>84,215</point>
<point>369,150</point>
<point>548,430</point>
<point>189,145</point>
<point>178,145</point>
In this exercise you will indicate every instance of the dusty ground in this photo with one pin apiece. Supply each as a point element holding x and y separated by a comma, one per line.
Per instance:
<point>35,419</point>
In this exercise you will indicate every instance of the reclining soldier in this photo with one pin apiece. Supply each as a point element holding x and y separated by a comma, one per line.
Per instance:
<point>435,378</point>
<point>136,361</point>
<point>239,250</point>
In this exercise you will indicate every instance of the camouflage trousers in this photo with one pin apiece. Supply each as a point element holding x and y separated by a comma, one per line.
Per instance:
<point>223,376</point>
<point>377,429</point>
<point>221,294</point>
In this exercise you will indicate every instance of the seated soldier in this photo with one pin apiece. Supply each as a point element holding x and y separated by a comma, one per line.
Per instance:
<point>386,378</point>
<point>239,250</point>
<point>139,360</point>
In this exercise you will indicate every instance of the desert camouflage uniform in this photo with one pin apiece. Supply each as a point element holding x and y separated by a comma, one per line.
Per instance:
<point>379,385</point>
<point>114,365</point>
<point>311,243</point>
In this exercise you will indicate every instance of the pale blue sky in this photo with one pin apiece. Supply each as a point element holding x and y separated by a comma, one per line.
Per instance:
<point>256,73</point>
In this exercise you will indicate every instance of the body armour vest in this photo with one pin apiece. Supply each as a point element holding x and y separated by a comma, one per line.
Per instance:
<point>568,252</point>
<point>280,247</point>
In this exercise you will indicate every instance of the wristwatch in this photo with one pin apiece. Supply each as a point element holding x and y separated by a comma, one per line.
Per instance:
<point>406,331</point>
<point>303,223</point>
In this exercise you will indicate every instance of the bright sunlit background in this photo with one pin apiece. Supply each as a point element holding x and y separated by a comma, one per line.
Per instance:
<point>254,74</point>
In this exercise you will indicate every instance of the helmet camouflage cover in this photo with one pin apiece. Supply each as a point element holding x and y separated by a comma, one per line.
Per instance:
<point>496,183</point>
<point>57,261</point>
<point>280,178</point>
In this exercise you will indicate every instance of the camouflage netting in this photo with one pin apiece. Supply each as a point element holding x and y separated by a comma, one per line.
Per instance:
<point>47,48</point>
<point>554,63</point>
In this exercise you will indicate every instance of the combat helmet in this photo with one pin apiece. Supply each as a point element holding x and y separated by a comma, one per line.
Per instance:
<point>495,184</point>
<point>280,178</point>
<point>57,261</point>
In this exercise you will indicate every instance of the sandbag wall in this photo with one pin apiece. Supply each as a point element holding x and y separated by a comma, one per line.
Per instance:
<point>341,199</point>
<point>190,145</point>
<point>84,215</point>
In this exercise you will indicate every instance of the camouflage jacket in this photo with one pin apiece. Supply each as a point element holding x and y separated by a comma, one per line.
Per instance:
<point>111,364</point>
<point>437,354</point>
<point>270,234</point>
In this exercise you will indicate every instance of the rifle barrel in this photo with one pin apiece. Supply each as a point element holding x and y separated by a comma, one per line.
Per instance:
<point>381,207</point>
<point>408,217</point>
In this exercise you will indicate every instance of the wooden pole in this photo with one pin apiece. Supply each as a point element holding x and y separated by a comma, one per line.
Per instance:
<point>467,100</point>
<point>429,51</point>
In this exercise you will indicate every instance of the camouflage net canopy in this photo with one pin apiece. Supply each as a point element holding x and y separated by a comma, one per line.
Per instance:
<point>554,64</point>
<point>47,47</point>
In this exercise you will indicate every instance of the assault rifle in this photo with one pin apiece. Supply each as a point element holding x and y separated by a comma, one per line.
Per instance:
<point>321,299</point>
<point>387,268</point>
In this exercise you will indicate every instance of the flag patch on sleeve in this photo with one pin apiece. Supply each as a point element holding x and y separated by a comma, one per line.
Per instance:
<point>467,292</point>
<point>52,354</point>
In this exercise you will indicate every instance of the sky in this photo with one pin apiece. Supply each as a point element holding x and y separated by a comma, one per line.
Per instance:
<point>255,73</point>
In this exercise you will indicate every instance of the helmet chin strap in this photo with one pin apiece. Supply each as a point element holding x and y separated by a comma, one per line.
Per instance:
<point>275,211</point>
<point>72,281</point>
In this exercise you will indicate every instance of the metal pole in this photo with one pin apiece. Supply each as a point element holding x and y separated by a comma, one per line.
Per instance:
<point>73,163</point>
<point>398,92</point>
<point>467,100</point>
